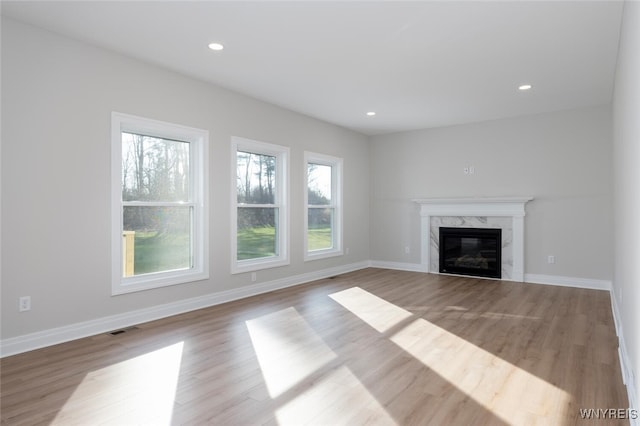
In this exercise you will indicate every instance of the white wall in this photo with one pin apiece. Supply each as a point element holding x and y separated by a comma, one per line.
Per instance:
<point>562,159</point>
<point>58,95</point>
<point>626,166</point>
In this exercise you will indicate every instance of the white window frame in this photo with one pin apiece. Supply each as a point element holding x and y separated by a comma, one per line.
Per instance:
<point>336,165</point>
<point>198,161</point>
<point>281,153</point>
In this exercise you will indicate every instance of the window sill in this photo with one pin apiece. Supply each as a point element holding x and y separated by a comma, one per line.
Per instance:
<point>256,265</point>
<point>152,281</point>
<point>322,254</point>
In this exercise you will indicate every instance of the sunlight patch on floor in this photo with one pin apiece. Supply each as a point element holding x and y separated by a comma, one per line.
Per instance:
<point>375,311</point>
<point>337,398</point>
<point>140,390</point>
<point>296,366</point>
<point>491,381</point>
<point>287,348</point>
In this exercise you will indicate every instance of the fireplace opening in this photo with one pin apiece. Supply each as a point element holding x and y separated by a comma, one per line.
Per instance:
<point>471,251</point>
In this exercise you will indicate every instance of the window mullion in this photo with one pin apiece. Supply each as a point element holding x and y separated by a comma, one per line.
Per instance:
<point>258,206</point>
<point>158,204</point>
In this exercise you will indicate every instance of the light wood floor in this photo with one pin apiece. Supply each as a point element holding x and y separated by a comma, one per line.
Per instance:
<point>368,347</point>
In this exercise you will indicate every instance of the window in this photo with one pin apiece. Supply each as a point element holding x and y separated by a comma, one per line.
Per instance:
<point>323,199</point>
<point>160,209</point>
<point>259,227</point>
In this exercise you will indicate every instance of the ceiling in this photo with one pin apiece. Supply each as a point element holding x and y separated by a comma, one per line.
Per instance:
<point>416,64</point>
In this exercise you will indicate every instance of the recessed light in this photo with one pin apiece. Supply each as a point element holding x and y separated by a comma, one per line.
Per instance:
<point>371,113</point>
<point>216,46</point>
<point>525,87</point>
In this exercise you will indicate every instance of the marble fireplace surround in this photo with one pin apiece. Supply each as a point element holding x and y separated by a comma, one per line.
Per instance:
<point>506,213</point>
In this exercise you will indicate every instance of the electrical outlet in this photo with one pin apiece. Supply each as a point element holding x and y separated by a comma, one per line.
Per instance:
<point>407,250</point>
<point>551,259</point>
<point>347,250</point>
<point>24,303</point>
<point>253,277</point>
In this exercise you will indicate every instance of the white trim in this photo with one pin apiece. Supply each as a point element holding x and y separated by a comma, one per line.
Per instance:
<point>41,339</point>
<point>528,278</point>
<point>199,200</point>
<point>487,206</point>
<point>53,336</point>
<point>471,206</point>
<point>625,362</point>
<point>281,203</point>
<point>336,165</point>
<point>568,281</point>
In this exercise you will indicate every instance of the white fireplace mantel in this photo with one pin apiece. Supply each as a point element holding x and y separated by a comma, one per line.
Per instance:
<point>513,207</point>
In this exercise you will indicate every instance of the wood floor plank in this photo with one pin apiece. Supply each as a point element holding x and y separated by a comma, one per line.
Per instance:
<point>369,347</point>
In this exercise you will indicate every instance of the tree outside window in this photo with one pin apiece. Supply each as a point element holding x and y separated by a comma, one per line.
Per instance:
<point>260,224</point>
<point>159,203</point>
<point>323,199</point>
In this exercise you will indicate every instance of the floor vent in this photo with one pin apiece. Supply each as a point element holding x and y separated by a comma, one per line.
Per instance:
<point>122,330</point>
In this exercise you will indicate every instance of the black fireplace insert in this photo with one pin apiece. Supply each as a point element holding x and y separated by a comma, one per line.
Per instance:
<point>471,251</point>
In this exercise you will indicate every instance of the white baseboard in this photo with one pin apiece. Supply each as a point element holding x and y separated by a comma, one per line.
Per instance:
<point>63,334</point>
<point>627,373</point>
<point>54,336</point>
<point>400,266</point>
<point>568,281</point>
<point>528,278</point>
<point>57,335</point>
